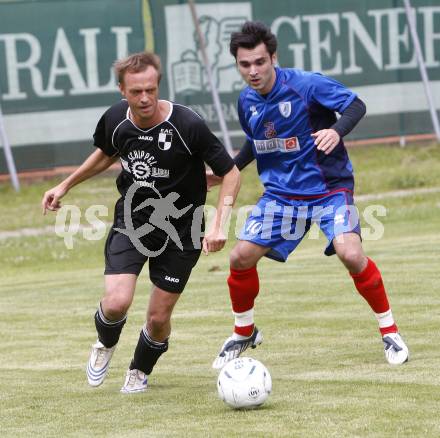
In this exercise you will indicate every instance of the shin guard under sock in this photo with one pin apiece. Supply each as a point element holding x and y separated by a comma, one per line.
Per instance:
<point>147,352</point>
<point>370,285</point>
<point>108,331</point>
<point>243,289</point>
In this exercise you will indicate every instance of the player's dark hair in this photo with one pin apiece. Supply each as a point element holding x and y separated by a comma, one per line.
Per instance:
<point>136,63</point>
<point>251,35</point>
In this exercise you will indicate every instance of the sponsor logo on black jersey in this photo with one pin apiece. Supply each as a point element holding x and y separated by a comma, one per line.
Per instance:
<point>140,170</point>
<point>165,139</point>
<point>145,137</point>
<point>142,165</point>
<point>142,155</point>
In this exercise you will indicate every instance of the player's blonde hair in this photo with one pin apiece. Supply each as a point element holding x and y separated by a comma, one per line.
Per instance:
<point>135,63</point>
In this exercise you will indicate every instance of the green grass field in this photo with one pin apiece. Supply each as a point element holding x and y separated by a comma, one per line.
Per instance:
<point>321,344</point>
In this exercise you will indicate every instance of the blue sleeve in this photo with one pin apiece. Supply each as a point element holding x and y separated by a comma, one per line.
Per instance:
<point>329,93</point>
<point>242,119</point>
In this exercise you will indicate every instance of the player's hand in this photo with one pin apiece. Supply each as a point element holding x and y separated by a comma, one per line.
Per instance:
<point>326,140</point>
<point>51,199</point>
<point>213,241</point>
<point>212,180</point>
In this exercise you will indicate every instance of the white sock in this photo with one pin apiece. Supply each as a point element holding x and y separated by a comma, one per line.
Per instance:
<point>243,319</point>
<point>385,319</point>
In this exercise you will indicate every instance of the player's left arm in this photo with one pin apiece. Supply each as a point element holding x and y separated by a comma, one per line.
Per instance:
<point>327,139</point>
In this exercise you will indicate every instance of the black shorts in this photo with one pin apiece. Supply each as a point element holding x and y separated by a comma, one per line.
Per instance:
<point>170,270</point>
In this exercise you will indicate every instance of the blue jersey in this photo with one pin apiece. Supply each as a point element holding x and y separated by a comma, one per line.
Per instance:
<point>279,126</point>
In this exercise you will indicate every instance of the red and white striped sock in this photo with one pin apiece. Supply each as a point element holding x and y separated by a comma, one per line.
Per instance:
<point>244,324</point>
<point>370,285</point>
<point>386,322</point>
<point>243,289</point>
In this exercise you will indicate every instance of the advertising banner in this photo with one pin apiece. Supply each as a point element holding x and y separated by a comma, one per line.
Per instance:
<point>56,61</point>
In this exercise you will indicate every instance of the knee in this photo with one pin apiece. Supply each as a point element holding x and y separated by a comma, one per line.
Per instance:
<point>353,259</point>
<point>240,259</point>
<point>115,305</point>
<point>157,321</point>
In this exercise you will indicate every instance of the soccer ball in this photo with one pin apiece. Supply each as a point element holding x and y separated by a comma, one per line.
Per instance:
<point>244,383</point>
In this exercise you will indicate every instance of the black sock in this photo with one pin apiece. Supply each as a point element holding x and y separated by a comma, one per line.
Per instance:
<point>147,352</point>
<point>108,331</point>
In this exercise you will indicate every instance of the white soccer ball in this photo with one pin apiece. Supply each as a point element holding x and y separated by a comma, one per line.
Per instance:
<point>244,383</point>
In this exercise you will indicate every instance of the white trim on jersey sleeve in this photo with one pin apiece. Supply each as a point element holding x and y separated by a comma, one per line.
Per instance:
<point>171,109</point>
<point>187,107</point>
<point>114,131</point>
<point>178,133</point>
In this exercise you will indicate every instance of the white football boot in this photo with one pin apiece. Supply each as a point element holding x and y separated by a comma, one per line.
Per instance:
<point>396,351</point>
<point>98,364</point>
<point>135,381</point>
<point>232,348</point>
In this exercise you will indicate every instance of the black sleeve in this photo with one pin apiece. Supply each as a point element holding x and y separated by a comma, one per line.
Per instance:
<point>211,149</point>
<point>103,138</point>
<point>350,117</point>
<point>245,156</point>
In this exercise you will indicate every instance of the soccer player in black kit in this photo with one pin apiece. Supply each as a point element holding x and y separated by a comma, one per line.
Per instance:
<point>162,148</point>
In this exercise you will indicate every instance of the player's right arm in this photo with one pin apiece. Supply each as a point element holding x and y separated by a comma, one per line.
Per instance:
<point>97,162</point>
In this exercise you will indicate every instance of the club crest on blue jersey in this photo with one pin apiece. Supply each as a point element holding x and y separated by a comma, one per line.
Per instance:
<point>270,132</point>
<point>285,108</point>
<point>165,139</point>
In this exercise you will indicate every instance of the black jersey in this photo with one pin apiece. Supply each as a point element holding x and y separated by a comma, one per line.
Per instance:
<point>164,159</point>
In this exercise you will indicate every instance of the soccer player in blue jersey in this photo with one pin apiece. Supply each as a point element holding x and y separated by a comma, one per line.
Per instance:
<point>288,116</point>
